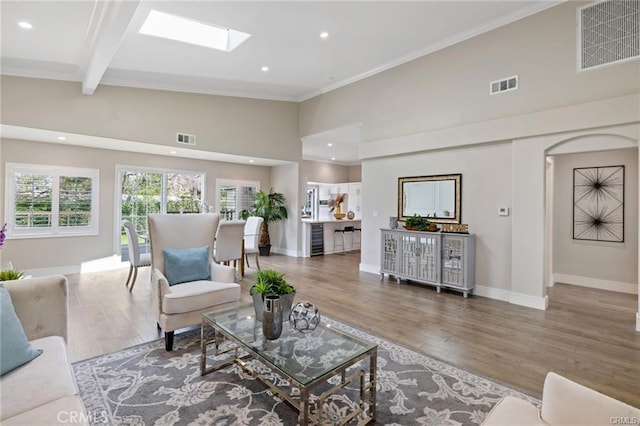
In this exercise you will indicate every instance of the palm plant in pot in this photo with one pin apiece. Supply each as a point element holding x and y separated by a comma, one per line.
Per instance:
<point>271,282</point>
<point>272,208</point>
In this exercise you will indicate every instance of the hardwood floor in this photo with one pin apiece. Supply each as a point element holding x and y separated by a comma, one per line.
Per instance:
<point>586,334</point>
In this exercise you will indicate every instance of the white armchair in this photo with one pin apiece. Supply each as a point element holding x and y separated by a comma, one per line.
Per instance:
<point>565,403</point>
<point>181,304</point>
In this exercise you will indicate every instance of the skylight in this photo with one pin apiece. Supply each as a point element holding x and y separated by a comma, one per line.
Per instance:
<point>176,28</point>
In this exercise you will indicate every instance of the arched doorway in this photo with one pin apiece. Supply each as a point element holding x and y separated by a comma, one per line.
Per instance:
<point>606,262</point>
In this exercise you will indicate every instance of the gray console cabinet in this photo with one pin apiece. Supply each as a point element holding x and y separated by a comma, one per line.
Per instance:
<point>439,259</point>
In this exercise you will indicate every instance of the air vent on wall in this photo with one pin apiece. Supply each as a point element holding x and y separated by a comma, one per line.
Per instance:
<point>186,139</point>
<point>608,33</point>
<point>503,85</point>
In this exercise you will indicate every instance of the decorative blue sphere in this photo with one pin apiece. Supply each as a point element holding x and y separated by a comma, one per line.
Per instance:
<point>304,317</point>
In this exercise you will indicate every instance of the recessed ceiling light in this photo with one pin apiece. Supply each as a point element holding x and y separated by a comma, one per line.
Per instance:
<point>186,30</point>
<point>251,161</point>
<point>324,34</point>
<point>25,25</point>
<point>62,138</point>
<point>333,158</point>
<point>265,69</point>
<point>329,144</point>
<point>172,152</point>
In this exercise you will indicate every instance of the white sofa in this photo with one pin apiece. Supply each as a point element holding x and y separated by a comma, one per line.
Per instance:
<point>43,391</point>
<point>565,403</point>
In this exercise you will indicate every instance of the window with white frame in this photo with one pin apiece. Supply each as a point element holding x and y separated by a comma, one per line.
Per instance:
<point>44,200</point>
<point>235,196</point>
<point>143,190</point>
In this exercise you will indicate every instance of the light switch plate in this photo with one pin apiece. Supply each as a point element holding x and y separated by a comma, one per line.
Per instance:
<point>503,211</point>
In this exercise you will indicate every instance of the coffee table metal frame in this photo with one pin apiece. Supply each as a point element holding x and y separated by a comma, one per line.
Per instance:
<point>244,350</point>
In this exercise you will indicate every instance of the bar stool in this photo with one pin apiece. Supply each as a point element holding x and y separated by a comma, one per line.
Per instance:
<point>345,230</point>
<point>358,240</point>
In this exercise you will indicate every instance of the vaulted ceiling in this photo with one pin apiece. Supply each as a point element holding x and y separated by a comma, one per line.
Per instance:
<point>98,42</point>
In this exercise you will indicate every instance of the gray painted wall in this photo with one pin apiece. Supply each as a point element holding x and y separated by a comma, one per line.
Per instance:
<point>259,128</point>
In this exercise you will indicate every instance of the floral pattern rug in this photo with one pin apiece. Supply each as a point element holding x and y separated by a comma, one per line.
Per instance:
<point>145,385</point>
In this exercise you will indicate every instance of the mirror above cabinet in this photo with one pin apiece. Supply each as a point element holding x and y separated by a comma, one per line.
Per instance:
<point>437,197</point>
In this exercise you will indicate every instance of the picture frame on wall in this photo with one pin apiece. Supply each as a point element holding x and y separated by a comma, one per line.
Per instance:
<point>598,203</point>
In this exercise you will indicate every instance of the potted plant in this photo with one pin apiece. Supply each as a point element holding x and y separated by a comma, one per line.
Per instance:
<point>419,223</point>
<point>7,273</point>
<point>271,282</point>
<point>11,274</point>
<point>272,208</point>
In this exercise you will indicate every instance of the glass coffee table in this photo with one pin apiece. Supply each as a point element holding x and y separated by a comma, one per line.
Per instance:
<point>308,360</point>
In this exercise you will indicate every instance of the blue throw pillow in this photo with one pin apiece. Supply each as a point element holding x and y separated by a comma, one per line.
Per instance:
<point>15,349</point>
<point>184,265</point>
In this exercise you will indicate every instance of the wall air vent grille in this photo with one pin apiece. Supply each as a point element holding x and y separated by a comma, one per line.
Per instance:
<point>503,85</point>
<point>186,139</point>
<point>608,33</point>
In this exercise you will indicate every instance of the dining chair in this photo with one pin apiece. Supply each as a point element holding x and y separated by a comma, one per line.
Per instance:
<point>229,243</point>
<point>251,238</point>
<point>136,259</point>
<point>186,282</point>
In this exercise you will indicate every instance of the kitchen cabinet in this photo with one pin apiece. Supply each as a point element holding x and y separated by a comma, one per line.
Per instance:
<point>354,199</point>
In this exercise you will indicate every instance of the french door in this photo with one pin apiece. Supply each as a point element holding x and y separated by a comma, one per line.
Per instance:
<point>145,191</point>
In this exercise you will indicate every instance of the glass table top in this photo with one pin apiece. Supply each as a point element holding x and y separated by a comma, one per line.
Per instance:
<point>304,357</point>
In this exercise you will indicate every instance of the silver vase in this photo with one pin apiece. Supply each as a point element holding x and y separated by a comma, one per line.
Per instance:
<point>272,317</point>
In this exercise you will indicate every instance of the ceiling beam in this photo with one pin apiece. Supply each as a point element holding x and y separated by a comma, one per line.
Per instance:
<point>109,23</point>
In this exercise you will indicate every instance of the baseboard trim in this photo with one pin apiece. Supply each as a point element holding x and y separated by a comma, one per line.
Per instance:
<point>535,302</point>
<point>492,293</point>
<point>618,286</point>
<point>286,252</point>
<point>368,267</point>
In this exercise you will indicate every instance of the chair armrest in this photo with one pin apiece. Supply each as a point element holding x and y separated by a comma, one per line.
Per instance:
<point>41,305</point>
<point>565,402</point>
<point>222,273</point>
<point>159,283</point>
<point>513,411</point>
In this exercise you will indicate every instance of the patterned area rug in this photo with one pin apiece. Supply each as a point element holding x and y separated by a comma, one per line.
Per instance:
<point>145,385</point>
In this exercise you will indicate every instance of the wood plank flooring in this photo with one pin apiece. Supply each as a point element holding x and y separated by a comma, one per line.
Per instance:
<point>586,334</point>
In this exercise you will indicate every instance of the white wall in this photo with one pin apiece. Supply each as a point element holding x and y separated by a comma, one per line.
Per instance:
<point>486,185</point>
<point>606,265</point>
<point>285,234</point>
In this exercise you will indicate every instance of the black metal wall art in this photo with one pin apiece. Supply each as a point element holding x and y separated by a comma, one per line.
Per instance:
<point>598,203</point>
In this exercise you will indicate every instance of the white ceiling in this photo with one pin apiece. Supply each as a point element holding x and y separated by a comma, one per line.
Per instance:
<point>97,42</point>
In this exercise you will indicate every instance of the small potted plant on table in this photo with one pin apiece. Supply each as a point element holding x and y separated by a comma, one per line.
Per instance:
<point>271,282</point>
<point>419,223</point>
